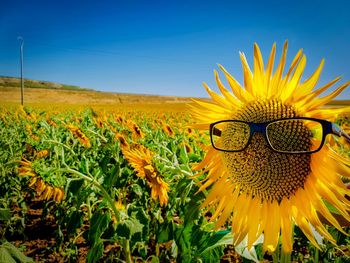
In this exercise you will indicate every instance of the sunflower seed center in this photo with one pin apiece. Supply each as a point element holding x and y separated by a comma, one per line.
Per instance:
<point>259,170</point>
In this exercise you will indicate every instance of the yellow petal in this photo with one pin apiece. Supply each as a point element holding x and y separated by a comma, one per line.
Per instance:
<point>235,103</point>
<point>236,87</point>
<point>218,99</point>
<point>286,226</point>
<point>272,228</point>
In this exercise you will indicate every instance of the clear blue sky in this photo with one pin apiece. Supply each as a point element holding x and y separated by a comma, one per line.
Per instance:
<point>166,47</point>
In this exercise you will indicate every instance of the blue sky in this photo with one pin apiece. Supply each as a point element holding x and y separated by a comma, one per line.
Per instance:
<point>166,47</point>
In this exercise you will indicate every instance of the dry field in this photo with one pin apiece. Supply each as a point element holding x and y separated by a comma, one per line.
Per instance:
<point>71,98</point>
<point>57,97</point>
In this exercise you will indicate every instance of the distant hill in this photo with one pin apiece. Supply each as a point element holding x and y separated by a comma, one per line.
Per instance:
<point>8,82</point>
<point>36,91</point>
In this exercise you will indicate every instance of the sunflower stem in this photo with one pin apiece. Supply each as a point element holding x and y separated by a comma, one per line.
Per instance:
<point>275,256</point>
<point>316,255</point>
<point>126,247</point>
<point>100,187</point>
<point>126,242</point>
<point>285,256</point>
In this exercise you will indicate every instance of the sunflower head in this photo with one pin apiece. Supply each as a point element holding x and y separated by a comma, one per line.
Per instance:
<point>45,190</point>
<point>141,159</point>
<point>266,151</point>
<point>77,132</point>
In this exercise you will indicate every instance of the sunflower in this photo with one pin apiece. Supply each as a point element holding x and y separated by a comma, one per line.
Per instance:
<point>261,189</point>
<point>44,190</point>
<point>167,129</point>
<point>140,158</point>
<point>122,141</point>
<point>80,135</point>
<point>136,131</point>
<point>42,153</point>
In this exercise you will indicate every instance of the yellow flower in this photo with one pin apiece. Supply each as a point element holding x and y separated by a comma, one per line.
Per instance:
<point>122,141</point>
<point>188,147</point>
<point>99,122</point>
<point>140,158</point>
<point>51,122</point>
<point>119,119</point>
<point>42,153</point>
<point>136,131</point>
<point>44,190</point>
<point>80,135</point>
<point>167,129</point>
<point>261,189</point>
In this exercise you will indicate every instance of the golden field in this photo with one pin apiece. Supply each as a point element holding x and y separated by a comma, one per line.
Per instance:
<point>53,98</point>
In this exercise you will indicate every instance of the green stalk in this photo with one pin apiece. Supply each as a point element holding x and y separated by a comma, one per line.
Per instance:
<point>275,256</point>
<point>317,254</point>
<point>100,187</point>
<point>285,257</point>
<point>89,207</point>
<point>126,247</point>
<point>126,243</point>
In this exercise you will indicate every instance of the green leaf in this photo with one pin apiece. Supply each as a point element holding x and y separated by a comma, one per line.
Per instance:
<point>154,259</point>
<point>5,214</point>
<point>123,230</point>
<point>99,223</point>
<point>112,175</point>
<point>5,256</point>
<point>136,188</point>
<point>73,220</point>
<point>95,253</point>
<point>136,226</point>
<point>165,233</point>
<point>183,237</point>
<point>214,256</point>
<point>75,185</point>
<point>10,253</point>
<point>194,158</point>
<point>219,238</point>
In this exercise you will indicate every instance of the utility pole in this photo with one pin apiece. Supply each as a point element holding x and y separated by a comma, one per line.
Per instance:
<point>21,57</point>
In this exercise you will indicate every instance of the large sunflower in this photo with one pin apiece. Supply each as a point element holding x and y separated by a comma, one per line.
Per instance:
<point>261,190</point>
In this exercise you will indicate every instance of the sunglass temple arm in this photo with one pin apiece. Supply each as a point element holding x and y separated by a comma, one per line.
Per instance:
<point>338,131</point>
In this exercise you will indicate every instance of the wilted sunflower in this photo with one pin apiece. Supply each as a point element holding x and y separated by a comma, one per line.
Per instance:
<point>44,190</point>
<point>140,158</point>
<point>267,167</point>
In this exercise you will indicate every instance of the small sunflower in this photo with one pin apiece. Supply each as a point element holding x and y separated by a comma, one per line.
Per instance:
<point>122,141</point>
<point>98,121</point>
<point>167,129</point>
<point>42,153</point>
<point>261,172</point>
<point>135,129</point>
<point>140,158</point>
<point>80,135</point>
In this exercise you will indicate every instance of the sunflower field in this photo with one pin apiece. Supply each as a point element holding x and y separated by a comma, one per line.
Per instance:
<point>98,185</point>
